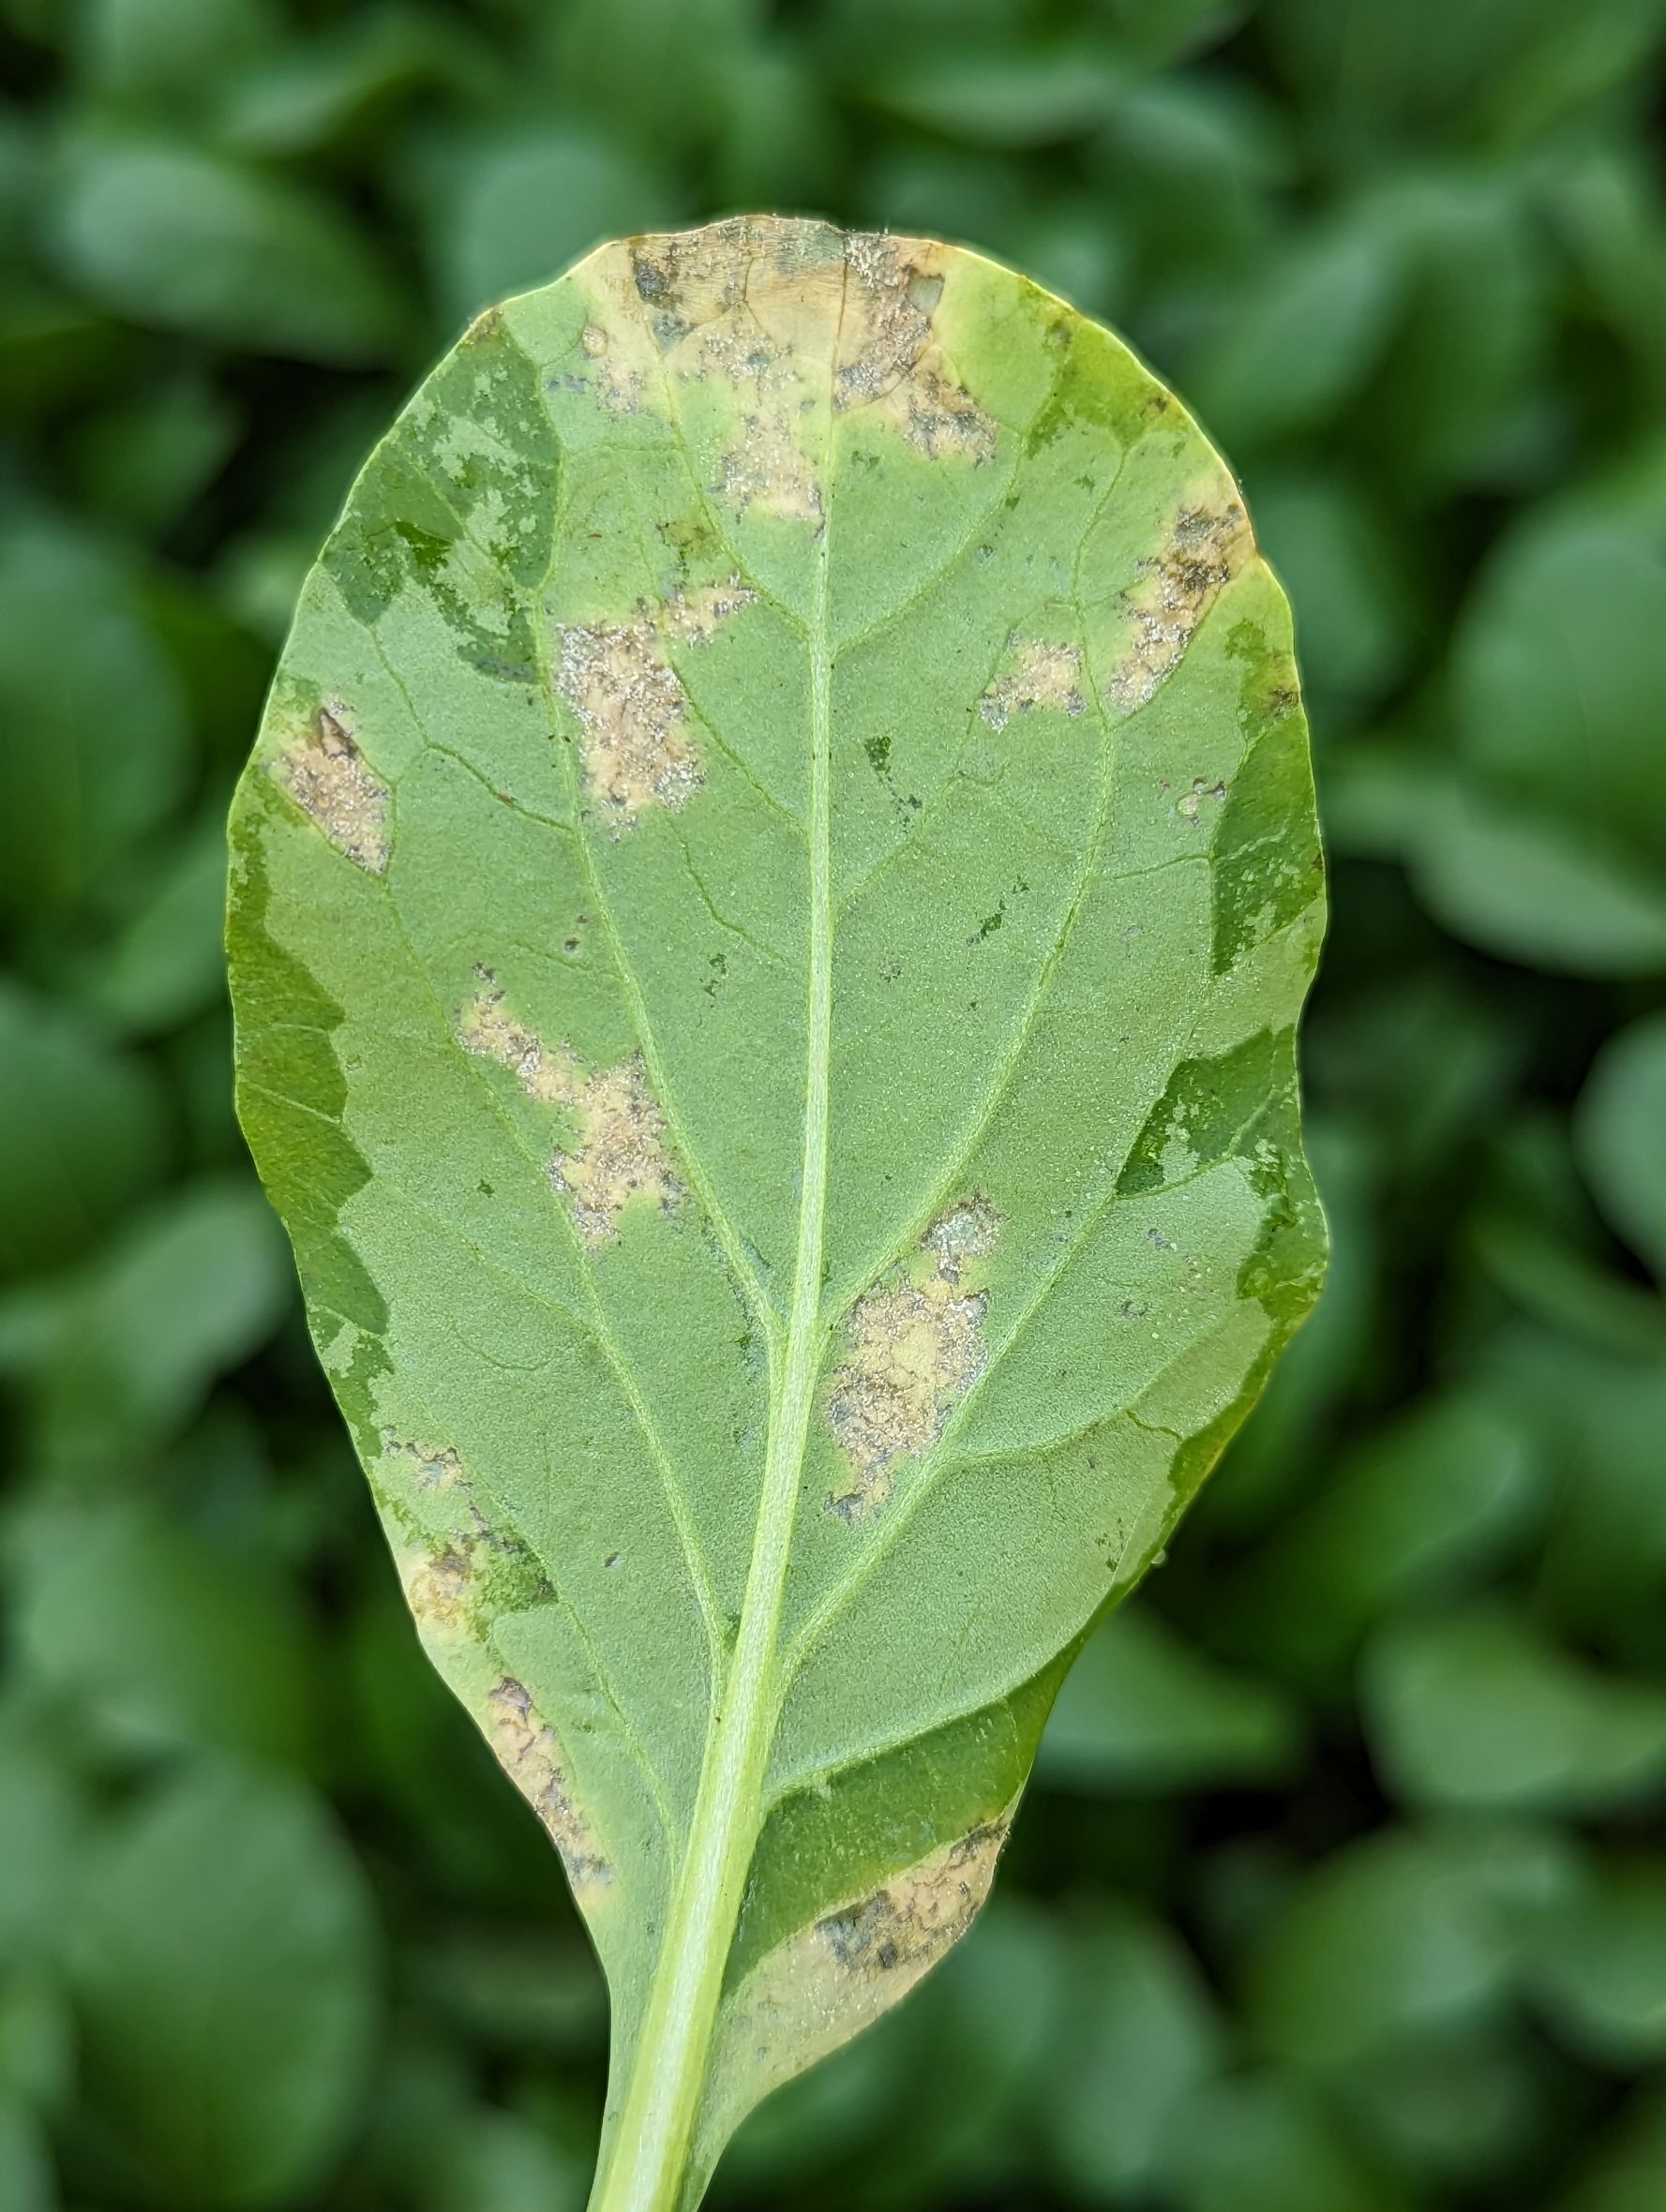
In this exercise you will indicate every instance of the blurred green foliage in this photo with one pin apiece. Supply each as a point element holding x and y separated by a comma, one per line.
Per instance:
<point>1341,1887</point>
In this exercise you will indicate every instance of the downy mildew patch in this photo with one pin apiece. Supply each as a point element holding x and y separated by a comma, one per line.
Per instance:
<point>530,1753</point>
<point>1208,544</point>
<point>328,777</point>
<point>635,738</point>
<point>915,1347</point>
<point>621,1153</point>
<point>1042,675</point>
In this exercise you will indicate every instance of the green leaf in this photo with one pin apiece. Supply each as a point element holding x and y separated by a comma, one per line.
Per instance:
<point>513,208</point>
<point>1005,96</point>
<point>1142,1712</point>
<point>43,1822</point>
<point>1142,2040</point>
<point>768,918</point>
<point>120,1356</point>
<point>1620,1131</point>
<point>162,1639</point>
<point>166,965</point>
<point>1602,1971</point>
<point>1472,1709</point>
<point>1403,1939</point>
<point>1549,850</point>
<point>224,1978</point>
<point>81,1131</point>
<point>1426,1505</point>
<point>27,2180</point>
<point>169,235</point>
<point>93,738</point>
<point>1255,2144</point>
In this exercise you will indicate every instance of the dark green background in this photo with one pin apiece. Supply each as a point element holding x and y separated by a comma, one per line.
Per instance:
<point>1341,1888</point>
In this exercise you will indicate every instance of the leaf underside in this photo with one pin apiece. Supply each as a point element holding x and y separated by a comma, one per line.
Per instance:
<point>769,912</point>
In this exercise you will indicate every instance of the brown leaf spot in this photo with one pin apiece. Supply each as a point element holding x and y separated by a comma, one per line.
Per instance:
<point>530,1753</point>
<point>632,710</point>
<point>324,773</point>
<point>1045,676</point>
<point>621,1150</point>
<point>1209,546</point>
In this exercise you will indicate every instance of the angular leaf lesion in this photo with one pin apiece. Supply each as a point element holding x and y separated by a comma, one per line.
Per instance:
<point>531,1754</point>
<point>889,356</point>
<point>915,1347</point>
<point>620,1154</point>
<point>326,773</point>
<point>1209,544</point>
<point>1043,673</point>
<point>819,1988</point>
<point>635,734</point>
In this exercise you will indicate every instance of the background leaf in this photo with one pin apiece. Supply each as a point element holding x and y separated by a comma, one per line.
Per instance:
<point>226,2043</point>
<point>1474,1414</point>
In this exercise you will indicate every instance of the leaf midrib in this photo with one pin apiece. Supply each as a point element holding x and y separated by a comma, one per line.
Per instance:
<point>653,2135</point>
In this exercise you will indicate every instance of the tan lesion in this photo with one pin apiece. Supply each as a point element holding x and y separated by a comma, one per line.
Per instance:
<point>428,1467</point>
<point>915,1347</point>
<point>795,321</point>
<point>903,1928</point>
<point>326,773</point>
<point>620,1154</point>
<point>617,383</point>
<point>889,356</point>
<point>1209,544</point>
<point>440,1589</point>
<point>752,306</point>
<point>636,737</point>
<point>830,1981</point>
<point>1042,675</point>
<point>530,1753</point>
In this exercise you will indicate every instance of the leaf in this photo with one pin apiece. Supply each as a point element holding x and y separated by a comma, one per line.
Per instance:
<point>1255,2144</point>
<point>81,1131</point>
<point>1141,1712</point>
<point>1471,1708</point>
<point>172,236</point>
<point>1404,1938</point>
<point>1428,1503</point>
<point>163,1641</point>
<point>517,207</point>
<point>43,1824</point>
<point>223,1975</point>
<point>26,2182</point>
<point>121,1356</point>
<point>93,737</point>
<point>1620,1130</point>
<point>1142,2041</point>
<point>768,916</point>
<point>1549,850</point>
<point>1601,1970</point>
